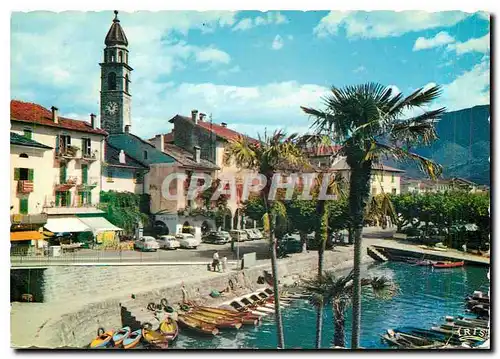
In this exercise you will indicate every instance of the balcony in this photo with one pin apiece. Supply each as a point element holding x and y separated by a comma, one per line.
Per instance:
<point>24,186</point>
<point>88,185</point>
<point>23,219</point>
<point>89,156</point>
<point>67,152</point>
<point>66,185</point>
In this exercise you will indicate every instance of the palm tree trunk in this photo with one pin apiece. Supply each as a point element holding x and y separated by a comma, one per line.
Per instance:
<point>322,235</point>
<point>274,270</point>
<point>339,327</point>
<point>359,193</point>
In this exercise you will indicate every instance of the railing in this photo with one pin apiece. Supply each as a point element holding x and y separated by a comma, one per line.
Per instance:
<point>67,184</point>
<point>89,184</point>
<point>24,186</point>
<point>67,152</point>
<point>89,155</point>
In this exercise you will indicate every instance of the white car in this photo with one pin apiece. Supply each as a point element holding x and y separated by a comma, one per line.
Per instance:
<point>146,243</point>
<point>168,242</point>
<point>187,240</point>
<point>258,233</point>
<point>239,235</point>
<point>251,234</point>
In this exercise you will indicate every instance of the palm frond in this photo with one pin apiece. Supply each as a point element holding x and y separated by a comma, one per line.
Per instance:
<point>419,129</point>
<point>383,287</point>
<point>418,98</point>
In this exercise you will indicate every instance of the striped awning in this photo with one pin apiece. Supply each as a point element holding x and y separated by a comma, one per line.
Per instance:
<point>26,236</point>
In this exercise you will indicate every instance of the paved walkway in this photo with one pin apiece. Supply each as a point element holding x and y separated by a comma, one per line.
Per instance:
<point>405,246</point>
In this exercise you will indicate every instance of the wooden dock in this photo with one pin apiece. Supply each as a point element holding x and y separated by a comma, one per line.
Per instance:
<point>399,248</point>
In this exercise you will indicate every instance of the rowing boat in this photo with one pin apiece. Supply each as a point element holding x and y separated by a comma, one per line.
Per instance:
<point>197,325</point>
<point>155,338</point>
<point>245,319</point>
<point>120,335</point>
<point>447,264</point>
<point>218,322</point>
<point>132,340</point>
<point>102,340</point>
<point>408,341</point>
<point>169,328</point>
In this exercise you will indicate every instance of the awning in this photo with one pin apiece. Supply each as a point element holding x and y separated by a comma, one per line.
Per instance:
<point>65,225</point>
<point>99,224</point>
<point>25,236</point>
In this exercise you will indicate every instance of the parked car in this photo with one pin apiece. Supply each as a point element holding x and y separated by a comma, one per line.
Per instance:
<point>146,243</point>
<point>239,235</point>
<point>168,242</point>
<point>187,240</point>
<point>217,237</point>
<point>252,236</point>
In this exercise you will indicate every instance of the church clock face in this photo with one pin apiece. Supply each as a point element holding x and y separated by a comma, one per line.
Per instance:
<point>111,108</point>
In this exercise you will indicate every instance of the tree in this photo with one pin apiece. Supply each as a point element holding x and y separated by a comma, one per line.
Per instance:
<point>123,209</point>
<point>277,152</point>
<point>366,121</point>
<point>338,291</point>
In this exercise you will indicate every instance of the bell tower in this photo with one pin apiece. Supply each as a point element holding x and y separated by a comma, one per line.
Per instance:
<point>115,81</point>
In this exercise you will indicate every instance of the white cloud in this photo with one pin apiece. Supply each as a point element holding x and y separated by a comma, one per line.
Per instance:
<point>442,38</point>
<point>395,89</point>
<point>359,69</point>
<point>481,44</point>
<point>469,89</point>
<point>270,18</point>
<point>213,55</point>
<point>277,43</point>
<point>377,24</point>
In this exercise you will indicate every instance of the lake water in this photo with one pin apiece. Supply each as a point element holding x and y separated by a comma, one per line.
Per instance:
<point>426,296</point>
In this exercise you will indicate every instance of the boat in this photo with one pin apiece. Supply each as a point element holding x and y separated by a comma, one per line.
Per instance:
<point>448,264</point>
<point>231,323</point>
<point>408,341</point>
<point>102,340</point>
<point>197,325</point>
<point>155,338</point>
<point>132,340</point>
<point>169,328</point>
<point>120,335</point>
<point>248,320</point>
<point>433,248</point>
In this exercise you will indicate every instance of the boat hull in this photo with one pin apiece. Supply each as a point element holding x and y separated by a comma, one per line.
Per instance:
<point>197,326</point>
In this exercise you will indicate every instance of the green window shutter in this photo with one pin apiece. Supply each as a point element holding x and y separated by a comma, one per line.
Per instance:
<point>89,197</point>
<point>58,199</point>
<point>31,174</point>
<point>28,134</point>
<point>23,206</point>
<point>68,198</point>
<point>85,172</point>
<point>63,173</point>
<point>17,174</point>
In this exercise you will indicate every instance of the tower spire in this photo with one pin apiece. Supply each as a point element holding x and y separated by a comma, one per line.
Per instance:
<point>116,35</point>
<point>116,16</point>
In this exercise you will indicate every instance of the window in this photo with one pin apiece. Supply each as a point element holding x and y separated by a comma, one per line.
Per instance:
<point>62,173</point>
<point>126,83</point>
<point>86,149</point>
<point>23,174</point>
<point>138,177</point>
<point>85,198</point>
<point>63,143</point>
<point>23,205</point>
<point>145,155</point>
<point>394,191</point>
<point>63,199</point>
<point>392,178</point>
<point>111,81</point>
<point>110,175</point>
<point>23,155</point>
<point>120,56</point>
<point>85,172</point>
<point>28,133</point>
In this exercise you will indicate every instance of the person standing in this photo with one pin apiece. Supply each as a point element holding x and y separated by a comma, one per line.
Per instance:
<point>224,264</point>
<point>216,262</point>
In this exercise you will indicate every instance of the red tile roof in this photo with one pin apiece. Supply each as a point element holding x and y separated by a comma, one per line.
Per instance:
<point>221,131</point>
<point>323,150</point>
<point>36,114</point>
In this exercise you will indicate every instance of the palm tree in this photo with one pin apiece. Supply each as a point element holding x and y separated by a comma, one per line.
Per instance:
<point>368,122</point>
<point>338,291</point>
<point>277,152</point>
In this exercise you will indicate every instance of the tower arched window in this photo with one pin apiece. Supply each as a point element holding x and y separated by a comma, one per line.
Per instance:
<point>120,56</point>
<point>126,83</point>
<point>111,81</point>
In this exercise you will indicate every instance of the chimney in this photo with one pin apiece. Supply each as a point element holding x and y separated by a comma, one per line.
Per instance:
<point>223,124</point>
<point>194,116</point>
<point>162,143</point>
<point>93,122</point>
<point>127,128</point>
<point>202,116</point>
<point>121,157</point>
<point>197,153</point>
<point>55,114</point>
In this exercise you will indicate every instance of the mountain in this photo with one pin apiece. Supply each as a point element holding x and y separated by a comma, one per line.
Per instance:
<point>463,147</point>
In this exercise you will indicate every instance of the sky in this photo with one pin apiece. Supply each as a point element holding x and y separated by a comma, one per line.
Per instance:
<point>252,70</point>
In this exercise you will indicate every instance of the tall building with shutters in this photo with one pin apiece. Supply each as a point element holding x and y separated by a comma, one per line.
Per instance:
<point>56,162</point>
